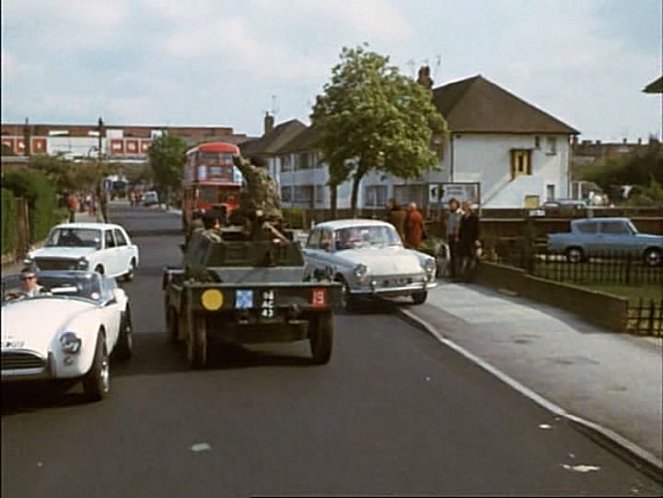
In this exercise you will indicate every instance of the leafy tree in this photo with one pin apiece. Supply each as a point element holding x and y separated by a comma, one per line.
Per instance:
<point>373,118</point>
<point>166,158</point>
<point>640,169</point>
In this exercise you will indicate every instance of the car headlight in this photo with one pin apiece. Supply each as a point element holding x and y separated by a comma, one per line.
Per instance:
<point>430,267</point>
<point>360,271</point>
<point>70,343</point>
<point>83,264</point>
<point>28,261</point>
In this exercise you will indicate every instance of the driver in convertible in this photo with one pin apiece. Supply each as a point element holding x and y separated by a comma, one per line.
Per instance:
<point>29,285</point>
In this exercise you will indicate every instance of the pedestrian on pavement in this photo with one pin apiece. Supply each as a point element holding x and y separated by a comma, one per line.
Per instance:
<point>453,225</point>
<point>415,232</point>
<point>469,244</point>
<point>72,202</point>
<point>397,216</point>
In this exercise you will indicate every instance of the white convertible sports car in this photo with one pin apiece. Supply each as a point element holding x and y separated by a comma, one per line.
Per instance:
<point>68,333</point>
<point>368,258</point>
<point>102,247</point>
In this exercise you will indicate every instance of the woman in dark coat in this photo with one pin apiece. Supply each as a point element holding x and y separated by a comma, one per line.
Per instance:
<point>468,239</point>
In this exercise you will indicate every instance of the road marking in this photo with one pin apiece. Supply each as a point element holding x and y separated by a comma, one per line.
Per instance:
<point>581,468</point>
<point>198,447</point>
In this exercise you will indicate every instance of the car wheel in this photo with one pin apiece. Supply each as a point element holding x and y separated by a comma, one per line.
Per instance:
<point>321,337</point>
<point>131,272</point>
<point>96,384</point>
<point>124,348</point>
<point>574,255</point>
<point>653,257</point>
<point>172,325</point>
<point>196,344</point>
<point>420,297</point>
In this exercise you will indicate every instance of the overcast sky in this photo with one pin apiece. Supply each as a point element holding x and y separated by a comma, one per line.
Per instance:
<point>223,62</point>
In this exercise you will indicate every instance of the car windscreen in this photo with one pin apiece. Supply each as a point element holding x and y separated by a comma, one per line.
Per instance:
<point>365,236</point>
<point>74,237</point>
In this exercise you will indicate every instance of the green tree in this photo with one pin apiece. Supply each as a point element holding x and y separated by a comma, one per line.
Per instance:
<point>640,169</point>
<point>373,118</point>
<point>166,159</point>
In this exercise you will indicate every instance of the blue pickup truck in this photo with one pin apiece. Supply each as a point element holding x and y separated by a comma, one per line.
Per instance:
<point>598,236</point>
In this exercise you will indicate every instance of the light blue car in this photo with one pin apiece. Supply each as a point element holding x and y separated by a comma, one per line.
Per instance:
<point>598,236</point>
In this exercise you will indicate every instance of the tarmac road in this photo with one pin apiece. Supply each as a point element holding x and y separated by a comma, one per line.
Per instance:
<point>394,412</point>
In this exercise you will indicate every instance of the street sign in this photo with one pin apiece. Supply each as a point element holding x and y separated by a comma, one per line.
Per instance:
<point>442,193</point>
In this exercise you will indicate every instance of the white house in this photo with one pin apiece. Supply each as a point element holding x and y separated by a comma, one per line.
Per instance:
<point>516,153</point>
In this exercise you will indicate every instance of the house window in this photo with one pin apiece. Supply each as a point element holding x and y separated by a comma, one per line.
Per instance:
<point>550,192</point>
<point>552,146</point>
<point>404,194</point>
<point>376,196</point>
<point>537,142</point>
<point>520,162</point>
<point>286,164</point>
<point>286,194</point>
<point>303,161</point>
<point>319,194</point>
<point>303,196</point>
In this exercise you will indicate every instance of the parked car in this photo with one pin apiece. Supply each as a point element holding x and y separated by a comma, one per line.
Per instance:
<point>599,236</point>
<point>368,258</point>
<point>150,198</point>
<point>67,334</point>
<point>102,247</point>
<point>564,205</point>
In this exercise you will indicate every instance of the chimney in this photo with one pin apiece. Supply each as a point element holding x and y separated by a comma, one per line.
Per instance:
<point>269,122</point>
<point>424,78</point>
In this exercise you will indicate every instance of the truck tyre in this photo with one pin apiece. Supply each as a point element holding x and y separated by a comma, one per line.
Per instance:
<point>172,325</point>
<point>321,337</point>
<point>575,255</point>
<point>196,344</point>
<point>96,383</point>
<point>347,302</point>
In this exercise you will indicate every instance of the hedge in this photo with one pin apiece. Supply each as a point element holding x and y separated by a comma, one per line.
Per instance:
<point>9,222</point>
<point>41,196</point>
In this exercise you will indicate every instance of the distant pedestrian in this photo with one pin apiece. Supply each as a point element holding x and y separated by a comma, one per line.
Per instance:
<point>414,227</point>
<point>468,241</point>
<point>453,225</point>
<point>72,202</point>
<point>397,216</point>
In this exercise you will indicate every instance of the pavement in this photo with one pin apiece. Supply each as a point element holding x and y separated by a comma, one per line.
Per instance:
<point>607,385</point>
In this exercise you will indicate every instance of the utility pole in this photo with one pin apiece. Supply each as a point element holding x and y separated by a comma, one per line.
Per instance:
<point>103,202</point>
<point>26,139</point>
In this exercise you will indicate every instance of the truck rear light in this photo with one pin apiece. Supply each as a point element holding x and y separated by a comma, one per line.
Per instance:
<point>319,298</point>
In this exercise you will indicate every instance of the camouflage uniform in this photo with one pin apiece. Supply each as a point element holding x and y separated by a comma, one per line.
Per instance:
<point>261,198</point>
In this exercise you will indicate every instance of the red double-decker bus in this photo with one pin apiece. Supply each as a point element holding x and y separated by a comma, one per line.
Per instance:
<point>210,182</point>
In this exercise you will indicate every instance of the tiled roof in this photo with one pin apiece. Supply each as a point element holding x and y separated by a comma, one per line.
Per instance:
<point>303,142</point>
<point>271,141</point>
<point>476,105</point>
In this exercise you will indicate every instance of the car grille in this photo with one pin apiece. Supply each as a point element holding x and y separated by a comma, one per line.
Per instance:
<point>55,264</point>
<point>17,361</point>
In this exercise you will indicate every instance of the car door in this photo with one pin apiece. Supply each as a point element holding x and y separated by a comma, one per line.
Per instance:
<point>312,251</point>
<point>616,236</point>
<point>111,256</point>
<point>123,250</point>
<point>110,310</point>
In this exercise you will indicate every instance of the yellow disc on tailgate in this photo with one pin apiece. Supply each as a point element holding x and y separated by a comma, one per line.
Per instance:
<point>212,299</point>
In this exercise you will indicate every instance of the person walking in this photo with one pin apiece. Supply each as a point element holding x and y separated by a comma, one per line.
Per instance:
<point>414,227</point>
<point>72,202</point>
<point>468,241</point>
<point>453,225</point>
<point>397,217</point>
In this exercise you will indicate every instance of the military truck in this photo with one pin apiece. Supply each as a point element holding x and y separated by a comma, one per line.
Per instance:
<point>233,290</point>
